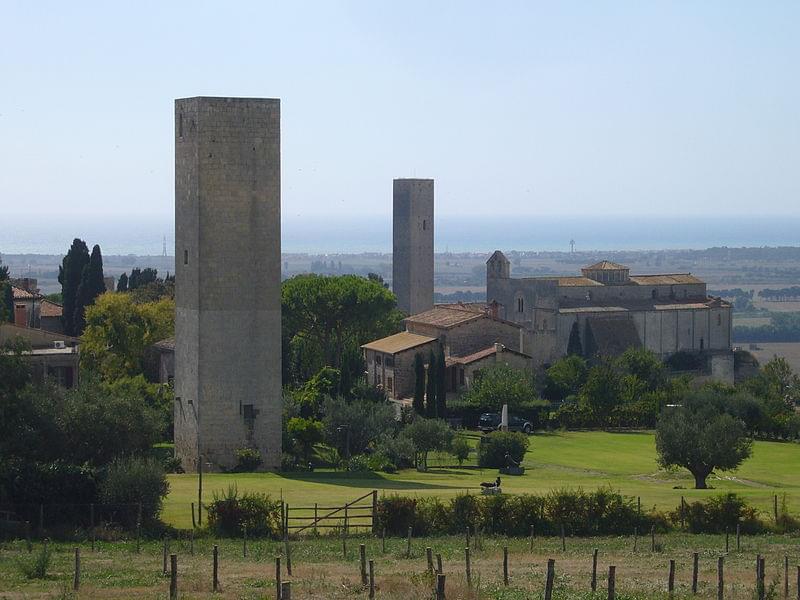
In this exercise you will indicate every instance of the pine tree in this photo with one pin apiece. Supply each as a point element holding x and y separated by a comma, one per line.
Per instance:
<point>69,276</point>
<point>122,284</point>
<point>430,388</point>
<point>574,346</point>
<point>419,385</point>
<point>441,387</point>
<point>91,286</point>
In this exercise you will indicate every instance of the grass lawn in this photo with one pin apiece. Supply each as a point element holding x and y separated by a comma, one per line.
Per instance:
<point>625,461</point>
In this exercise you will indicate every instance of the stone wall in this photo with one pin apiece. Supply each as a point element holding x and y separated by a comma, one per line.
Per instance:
<point>227,249</point>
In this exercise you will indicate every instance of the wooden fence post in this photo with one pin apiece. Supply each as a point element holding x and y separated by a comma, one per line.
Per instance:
<point>738,537</point>
<point>798,582</point>
<point>720,578</point>
<point>165,552</point>
<point>286,590</point>
<point>408,544</point>
<point>374,512</point>
<point>440,581</point>
<point>288,552</point>
<point>467,536</point>
<point>653,539</point>
<point>468,567</point>
<point>639,504</point>
<point>28,543</point>
<point>775,507</point>
<point>786,577</point>
<point>612,584</point>
<point>383,540</point>
<point>173,577</point>
<point>635,538</point>
<point>191,542</point>
<point>194,523</point>
<point>139,528</point>
<point>244,541</point>
<point>695,568</point>
<point>531,548</point>
<point>439,568</point>
<point>278,577</point>
<point>563,539</point>
<point>76,580</point>
<point>727,541</point>
<point>41,520</point>
<point>371,578</point>
<point>505,565</point>
<point>91,522</point>
<point>429,556</point>
<point>215,554</point>
<point>594,570</point>
<point>551,573</point>
<point>362,556</point>
<point>316,518</point>
<point>671,579</point>
<point>762,590</point>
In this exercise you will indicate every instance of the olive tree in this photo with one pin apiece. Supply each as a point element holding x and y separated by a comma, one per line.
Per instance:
<point>700,437</point>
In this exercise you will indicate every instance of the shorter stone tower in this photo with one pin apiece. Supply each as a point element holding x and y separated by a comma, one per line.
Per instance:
<point>412,251</point>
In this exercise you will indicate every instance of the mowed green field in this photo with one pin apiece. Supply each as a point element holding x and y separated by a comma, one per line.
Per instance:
<point>624,461</point>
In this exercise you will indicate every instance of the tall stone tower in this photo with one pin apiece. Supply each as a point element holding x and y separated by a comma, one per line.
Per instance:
<point>412,251</point>
<point>227,280</point>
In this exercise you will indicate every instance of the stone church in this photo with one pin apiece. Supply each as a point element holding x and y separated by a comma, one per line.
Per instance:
<point>612,310</point>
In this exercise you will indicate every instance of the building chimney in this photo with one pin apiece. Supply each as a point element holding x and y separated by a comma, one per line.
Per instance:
<point>498,348</point>
<point>20,315</point>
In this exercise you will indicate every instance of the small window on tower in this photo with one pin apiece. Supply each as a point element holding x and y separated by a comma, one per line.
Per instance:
<point>424,224</point>
<point>520,305</point>
<point>719,320</point>
<point>185,257</point>
<point>180,124</point>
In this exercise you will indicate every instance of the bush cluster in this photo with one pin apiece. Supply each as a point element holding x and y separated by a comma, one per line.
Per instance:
<point>718,515</point>
<point>230,513</point>
<point>494,448</point>
<point>601,512</point>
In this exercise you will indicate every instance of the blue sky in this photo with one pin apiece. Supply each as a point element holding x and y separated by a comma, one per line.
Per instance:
<point>590,108</point>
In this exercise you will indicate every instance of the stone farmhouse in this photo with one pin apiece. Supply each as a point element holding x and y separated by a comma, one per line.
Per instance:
<point>528,322</point>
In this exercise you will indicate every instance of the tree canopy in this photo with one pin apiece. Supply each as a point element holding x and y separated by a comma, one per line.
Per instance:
<point>69,276</point>
<point>327,318</point>
<point>501,384</point>
<point>700,436</point>
<point>118,331</point>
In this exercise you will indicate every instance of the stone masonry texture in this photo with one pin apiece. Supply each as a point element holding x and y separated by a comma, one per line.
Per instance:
<point>227,296</point>
<point>412,249</point>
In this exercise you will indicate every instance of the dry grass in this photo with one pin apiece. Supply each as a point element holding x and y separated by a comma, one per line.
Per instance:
<point>320,572</point>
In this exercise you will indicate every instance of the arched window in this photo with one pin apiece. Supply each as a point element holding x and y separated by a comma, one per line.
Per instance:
<point>424,224</point>
<point>719,319</point>
<point>520,305</point>
<point>654,294</point>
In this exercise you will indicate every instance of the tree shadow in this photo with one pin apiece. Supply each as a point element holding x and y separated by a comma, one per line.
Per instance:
<point>367,480</point>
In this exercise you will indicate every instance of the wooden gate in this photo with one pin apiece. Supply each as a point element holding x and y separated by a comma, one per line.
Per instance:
<point>359,514</point>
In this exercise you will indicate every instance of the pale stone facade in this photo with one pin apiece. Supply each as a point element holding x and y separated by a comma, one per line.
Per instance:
<point>412,247</point>
<point>227,280</point>
<point>662,313</point>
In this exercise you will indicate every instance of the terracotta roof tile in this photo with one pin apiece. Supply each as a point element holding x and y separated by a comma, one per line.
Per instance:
<point>50,309</point>
<point>398,342</point>
<point>605,265</point>
<point>445,316</point>
<point>21,293</point>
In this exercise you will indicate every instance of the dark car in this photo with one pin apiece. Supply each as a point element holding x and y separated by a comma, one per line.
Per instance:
<point>491,422</point>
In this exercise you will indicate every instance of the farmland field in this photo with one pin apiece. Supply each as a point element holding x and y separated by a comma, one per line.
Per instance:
<point>768,350</point>
<point>625,461</point>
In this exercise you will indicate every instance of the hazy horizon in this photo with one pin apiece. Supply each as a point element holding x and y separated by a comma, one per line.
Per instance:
<point>518,109</point>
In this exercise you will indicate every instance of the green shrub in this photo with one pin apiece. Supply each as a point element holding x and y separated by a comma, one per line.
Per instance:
<point>358,463</point>
<point>247,460</point>
<point>36,566</point>
<point>432,517</point>
<point>465,512</point>
<point>718,514</point>
<point>230,513</point>
<point>131,481</point>
<point>493,448</point>
<point>460,449</point>
<point>396,514</point>
<point>398,450</point>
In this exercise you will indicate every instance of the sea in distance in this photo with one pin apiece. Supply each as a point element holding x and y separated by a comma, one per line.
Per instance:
<point>145,236</point>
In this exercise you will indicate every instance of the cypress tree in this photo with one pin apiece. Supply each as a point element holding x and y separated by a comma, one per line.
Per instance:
<point>574,346</point>
<point>122,284</point>
<point>430,389</point>
<point>69,276</point>
<point>419,385</point>
<point>441,387</point>
<point>90,287</point>
<point>7,303</point>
